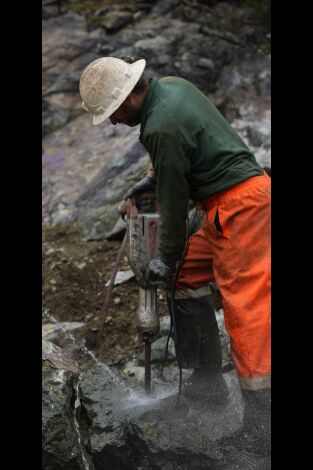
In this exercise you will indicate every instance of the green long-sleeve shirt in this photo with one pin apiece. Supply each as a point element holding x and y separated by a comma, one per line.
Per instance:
<point>194,152</point>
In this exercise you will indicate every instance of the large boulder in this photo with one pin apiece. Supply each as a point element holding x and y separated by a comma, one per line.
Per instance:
<point>130,430</point>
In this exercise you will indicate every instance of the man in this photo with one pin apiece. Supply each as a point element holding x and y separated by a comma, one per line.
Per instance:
<point>196,155</point>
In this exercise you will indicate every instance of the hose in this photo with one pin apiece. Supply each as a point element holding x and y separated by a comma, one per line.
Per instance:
<point>172,315</point>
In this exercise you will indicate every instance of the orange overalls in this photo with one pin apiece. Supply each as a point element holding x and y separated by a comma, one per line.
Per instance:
<point>232,248</point>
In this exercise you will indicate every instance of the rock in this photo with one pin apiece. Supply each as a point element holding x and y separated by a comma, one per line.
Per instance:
<point>257,135</point>
<point>206,63</point>
<point>54,116</point>
<point>51,8</point>
<point>95,223</point>
<point>67,49</point>
<point>165,324</point>
<point>81,265</point>
<point>86,172</point>
<point>61,446</point>
<point>103,395</point>
<point>50,331</point>
<point>65,101</point>
<point>58,358</point>
<point>64,37</point>
<point>158,349</point>
<point>115,20</point>
<point>118,231</point>
<point>164,6</point>
<point>148,47</point>
<point>130,430</point>
<point>133,369</point>
<point>121,277</point>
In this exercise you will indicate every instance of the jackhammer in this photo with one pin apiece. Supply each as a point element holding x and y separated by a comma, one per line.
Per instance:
<point>143,239</point>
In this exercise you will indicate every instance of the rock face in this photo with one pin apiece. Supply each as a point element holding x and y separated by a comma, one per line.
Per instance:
<point>87,169</point>
<point>85,172</point>
<point>66,49</point>
<point>61,448</point>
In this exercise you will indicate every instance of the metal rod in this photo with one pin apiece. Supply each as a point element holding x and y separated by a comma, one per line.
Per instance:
<point>109,291</point>
<point>148,367</point>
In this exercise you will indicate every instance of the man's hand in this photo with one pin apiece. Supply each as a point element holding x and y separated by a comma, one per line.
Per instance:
<point>146,184</point>
<point>159,274</point>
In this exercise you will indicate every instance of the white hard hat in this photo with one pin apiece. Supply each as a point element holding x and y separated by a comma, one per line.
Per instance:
<point>105,84</point>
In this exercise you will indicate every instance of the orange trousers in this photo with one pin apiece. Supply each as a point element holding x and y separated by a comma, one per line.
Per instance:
<point>232,248</point>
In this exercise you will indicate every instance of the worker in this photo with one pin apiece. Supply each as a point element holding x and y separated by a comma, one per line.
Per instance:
<point>196,155</point>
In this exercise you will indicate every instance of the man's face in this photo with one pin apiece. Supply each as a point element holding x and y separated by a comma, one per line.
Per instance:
<point>128,114</point>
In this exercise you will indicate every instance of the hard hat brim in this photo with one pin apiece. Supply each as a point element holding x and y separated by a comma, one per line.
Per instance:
<point>137,69</point>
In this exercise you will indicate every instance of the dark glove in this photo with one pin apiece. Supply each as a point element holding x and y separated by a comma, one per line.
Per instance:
<point>146,184</point>
<point>159,274</point>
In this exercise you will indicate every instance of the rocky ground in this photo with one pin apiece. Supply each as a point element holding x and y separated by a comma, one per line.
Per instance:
<point>75,272</point>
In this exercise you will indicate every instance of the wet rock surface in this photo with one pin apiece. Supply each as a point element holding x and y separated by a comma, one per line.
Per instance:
<point>60,376</point>
<point>122,427</point>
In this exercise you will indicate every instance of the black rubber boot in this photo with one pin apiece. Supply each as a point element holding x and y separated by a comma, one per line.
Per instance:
<point>250,446</point>
<point>198,344</point>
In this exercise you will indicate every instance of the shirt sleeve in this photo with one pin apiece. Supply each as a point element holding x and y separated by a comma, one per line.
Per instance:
<point>172,169</point>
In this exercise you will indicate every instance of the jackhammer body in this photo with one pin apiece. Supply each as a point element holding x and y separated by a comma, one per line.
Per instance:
<point>143,233</point>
